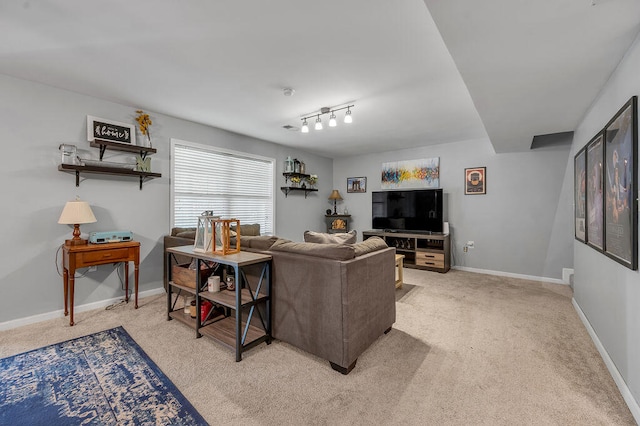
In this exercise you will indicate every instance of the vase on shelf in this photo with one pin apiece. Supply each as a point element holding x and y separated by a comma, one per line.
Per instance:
<point>144,141</point>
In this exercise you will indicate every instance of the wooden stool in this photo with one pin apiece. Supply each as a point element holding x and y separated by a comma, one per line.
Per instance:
<point>399,264</point>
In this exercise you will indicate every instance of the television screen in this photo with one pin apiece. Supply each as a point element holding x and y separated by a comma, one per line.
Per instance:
<point>417,210</point>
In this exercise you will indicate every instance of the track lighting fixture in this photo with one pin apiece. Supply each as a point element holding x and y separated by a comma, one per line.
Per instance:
<point>332,118</point>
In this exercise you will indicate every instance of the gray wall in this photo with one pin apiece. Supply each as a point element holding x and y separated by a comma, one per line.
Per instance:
<point>607,292</point>
<point>517,227</point>
<point>34,120</point>
<point>513,225</point>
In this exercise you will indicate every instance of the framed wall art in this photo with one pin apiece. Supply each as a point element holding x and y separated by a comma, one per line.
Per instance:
<point>357,184</point>
<point>424,173</point>
<point>111,131</point>
<point>580,194</point>
<point>595,188</point>
<point>621,174</point>
<point>475,181</point>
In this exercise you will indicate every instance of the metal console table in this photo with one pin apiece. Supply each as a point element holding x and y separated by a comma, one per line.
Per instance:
<point>227,329</point>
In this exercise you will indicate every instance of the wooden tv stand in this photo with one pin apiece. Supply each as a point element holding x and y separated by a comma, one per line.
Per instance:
<point>421,251</point>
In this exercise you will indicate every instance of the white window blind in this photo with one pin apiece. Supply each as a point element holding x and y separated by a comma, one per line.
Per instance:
<point>231,184</point>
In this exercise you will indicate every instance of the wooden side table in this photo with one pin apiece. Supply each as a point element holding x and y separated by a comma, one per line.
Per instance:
<point>399,274</point>
<point>74,257</point>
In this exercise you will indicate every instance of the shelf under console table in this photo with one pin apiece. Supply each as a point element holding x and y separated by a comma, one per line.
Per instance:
<point>430,252</point>
<point>235,330</point>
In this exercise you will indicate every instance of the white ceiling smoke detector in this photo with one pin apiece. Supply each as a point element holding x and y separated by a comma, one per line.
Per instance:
<point>288,91</point>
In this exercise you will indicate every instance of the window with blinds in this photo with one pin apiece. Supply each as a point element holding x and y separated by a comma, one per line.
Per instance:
<point>231,184</point>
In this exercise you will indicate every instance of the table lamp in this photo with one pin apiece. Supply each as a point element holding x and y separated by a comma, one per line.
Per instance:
<point>335,196</point>
<point>75,213</point>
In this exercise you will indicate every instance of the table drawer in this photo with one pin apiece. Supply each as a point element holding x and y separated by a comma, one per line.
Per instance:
<point>105,256</point>
<point>435,260</point>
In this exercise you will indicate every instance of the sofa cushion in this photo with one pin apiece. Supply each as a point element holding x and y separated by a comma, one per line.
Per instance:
<point>187,234</point>
<point>325,238</point>
<point>176,231</point>
<point>248,230</point>
<point>369,245</point>
<point>327,251</point>
<point>258,242</point>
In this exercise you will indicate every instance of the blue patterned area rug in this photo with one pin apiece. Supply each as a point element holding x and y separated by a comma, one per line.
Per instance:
<point>101,379</point>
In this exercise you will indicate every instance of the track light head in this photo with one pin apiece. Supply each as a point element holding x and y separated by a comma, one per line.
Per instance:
<point>332,120</point>
<point>318,123</point>
<point>347,117</point>
<point>305,127</point>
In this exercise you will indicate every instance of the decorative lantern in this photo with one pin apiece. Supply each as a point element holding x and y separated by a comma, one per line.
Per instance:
<point>222,236</point>
<point>288,165</point>
<point>204,232</point>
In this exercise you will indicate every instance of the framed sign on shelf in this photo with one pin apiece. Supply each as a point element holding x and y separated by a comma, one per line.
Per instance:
<point>595,188</point>
<point>621,212</point>
<point>109,130</point>
<point>580,194</point>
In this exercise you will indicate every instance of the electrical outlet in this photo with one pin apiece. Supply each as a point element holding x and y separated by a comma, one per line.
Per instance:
<point>470,244</point>
<point>465,249</point>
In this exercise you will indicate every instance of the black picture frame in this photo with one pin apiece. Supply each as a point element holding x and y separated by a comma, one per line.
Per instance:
<point>580,195</point>
<point>475,181</point>
<point>595,192</point>
<point>357,184</point>
<point>111,131</point>
<point>621,175</point>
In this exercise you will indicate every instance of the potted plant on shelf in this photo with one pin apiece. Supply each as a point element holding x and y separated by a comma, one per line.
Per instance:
<point>312,180</point>
<point>295,181</point>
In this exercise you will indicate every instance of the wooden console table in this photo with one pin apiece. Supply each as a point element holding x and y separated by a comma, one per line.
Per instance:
<point>83,256</point>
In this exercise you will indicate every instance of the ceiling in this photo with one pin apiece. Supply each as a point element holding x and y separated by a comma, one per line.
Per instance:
<point>418,72</point>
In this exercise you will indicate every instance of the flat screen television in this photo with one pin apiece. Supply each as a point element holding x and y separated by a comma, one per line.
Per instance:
<point>417,210</point>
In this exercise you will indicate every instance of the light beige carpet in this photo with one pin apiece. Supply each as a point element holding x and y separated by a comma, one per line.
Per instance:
<point>466,349</point>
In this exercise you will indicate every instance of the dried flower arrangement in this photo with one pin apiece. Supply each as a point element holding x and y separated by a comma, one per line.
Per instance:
<point>144,122</point>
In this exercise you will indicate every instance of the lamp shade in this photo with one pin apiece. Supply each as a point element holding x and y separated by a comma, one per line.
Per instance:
<point>76,212</point>
<point>335,195</point>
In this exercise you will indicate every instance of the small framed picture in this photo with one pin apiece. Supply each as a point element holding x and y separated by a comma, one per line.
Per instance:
<point>475,181</point>
<point>110,131</point>
<point>357,184</point>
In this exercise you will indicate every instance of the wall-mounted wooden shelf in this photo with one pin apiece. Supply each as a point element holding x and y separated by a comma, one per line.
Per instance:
<point>287,189</point>
<point>77,169</point>
<point>116,146</point>
<point>117,171</point>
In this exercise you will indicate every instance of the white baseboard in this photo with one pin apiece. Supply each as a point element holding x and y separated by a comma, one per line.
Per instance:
<point>613,370</point>
<point>80,308</point>
<point>510,275</point>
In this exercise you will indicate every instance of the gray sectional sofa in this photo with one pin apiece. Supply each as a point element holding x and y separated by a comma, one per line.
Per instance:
<point>332,300</point>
